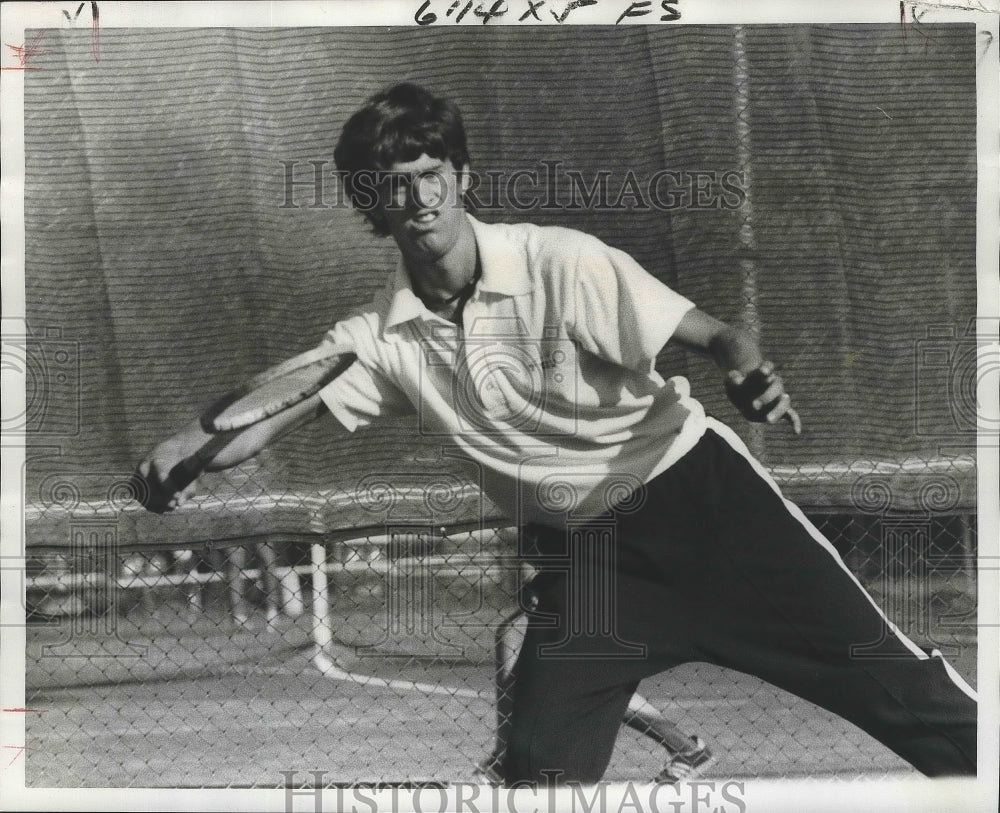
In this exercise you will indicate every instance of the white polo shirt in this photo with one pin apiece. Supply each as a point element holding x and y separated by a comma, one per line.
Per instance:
<point>550,387</point>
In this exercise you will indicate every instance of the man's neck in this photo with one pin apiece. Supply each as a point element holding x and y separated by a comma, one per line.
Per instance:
<point>448,275</point>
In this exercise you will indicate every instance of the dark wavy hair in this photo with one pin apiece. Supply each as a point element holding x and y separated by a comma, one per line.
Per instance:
<point>397,125</point>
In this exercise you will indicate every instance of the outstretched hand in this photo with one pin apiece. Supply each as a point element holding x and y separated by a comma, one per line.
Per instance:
<point>157,490</point>
<point>166,481</point>
<point>167,477</point>
<point>760,396</point>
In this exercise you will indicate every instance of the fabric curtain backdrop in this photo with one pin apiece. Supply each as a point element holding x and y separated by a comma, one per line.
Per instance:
<point>160,254</point>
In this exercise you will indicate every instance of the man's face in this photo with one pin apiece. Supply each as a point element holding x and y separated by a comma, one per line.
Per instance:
<point>422,204</point>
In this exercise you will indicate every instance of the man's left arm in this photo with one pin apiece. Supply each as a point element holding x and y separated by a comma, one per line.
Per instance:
<point>751,382</point>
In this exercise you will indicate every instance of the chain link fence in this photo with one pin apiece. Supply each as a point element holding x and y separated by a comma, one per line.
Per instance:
<point>252,632</point>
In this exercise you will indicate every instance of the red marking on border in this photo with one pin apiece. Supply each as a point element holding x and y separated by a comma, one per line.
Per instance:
<point>25,711</point>
<point>95,31</point>
<point>20,750</point>
<point>25,52</point>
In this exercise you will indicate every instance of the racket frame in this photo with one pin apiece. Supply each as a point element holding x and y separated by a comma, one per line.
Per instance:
<point>214,421</point>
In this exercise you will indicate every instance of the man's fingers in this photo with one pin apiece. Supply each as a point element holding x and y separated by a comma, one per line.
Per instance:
<point>154,472</point>
<point>783,409</point>
<point>778,408</point>
<point>186,494</point>
<point>772,394</point>
<point>793,419</point>
<point>760,396</point>
<point>164,487</point>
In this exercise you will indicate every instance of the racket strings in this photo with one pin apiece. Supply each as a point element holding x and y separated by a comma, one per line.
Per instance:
<point>276,390</point>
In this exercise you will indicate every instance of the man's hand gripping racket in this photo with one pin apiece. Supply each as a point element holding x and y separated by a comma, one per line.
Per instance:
<point>165,479</point>
<point>760,396</point>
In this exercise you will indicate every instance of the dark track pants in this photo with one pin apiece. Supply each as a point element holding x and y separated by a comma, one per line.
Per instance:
<point>715,566</point>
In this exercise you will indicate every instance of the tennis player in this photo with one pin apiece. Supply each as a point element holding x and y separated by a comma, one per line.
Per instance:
<point>660,539</point>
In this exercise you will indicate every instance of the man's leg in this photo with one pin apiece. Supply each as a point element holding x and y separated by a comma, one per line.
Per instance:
<point>508,641</point>
<point>566,717</point>
<point>803,617</point>
<point>689,756</point>
<point>567,708</point>
<point>573,690</point>
<point>643,717</point>
<point>716,566</point>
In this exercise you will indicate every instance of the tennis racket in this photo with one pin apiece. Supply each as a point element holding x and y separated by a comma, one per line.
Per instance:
<point>277,389</point>
<point>264,396</point>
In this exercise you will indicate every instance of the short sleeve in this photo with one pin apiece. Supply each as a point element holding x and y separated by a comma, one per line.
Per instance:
<point>621,312</point>
<point>361,393</point>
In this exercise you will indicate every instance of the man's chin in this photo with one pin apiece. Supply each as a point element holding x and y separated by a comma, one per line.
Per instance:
<point>425,248</point>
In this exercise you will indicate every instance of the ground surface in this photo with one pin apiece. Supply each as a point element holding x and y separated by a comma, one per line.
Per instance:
<point>216,704</point>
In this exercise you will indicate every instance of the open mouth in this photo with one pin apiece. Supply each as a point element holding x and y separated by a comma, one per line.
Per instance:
<point>424,217</point>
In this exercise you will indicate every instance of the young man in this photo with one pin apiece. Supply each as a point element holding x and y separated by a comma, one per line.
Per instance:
<point>659,539</point>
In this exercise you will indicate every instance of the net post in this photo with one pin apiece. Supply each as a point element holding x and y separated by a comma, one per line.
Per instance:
<point>749,316</point>
<point>322,633</point>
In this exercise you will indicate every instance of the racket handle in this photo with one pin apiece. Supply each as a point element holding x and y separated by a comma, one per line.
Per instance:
<point>154,498</point>
<point>185,473</point>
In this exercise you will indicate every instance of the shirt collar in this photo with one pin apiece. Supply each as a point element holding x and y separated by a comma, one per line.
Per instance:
<point>505,272</point>
<point>504,259</point>
<point>404,305</point>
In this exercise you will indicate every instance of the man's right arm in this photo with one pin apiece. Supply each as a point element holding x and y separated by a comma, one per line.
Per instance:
<point>193,451</point>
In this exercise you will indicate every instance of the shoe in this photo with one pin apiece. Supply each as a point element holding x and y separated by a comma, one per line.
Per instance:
<point>487,772</point>
<point>683,767</point>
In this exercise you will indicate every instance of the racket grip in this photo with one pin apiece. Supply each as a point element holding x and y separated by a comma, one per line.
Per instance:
<point>156,498</point>
<point>185,473</point>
